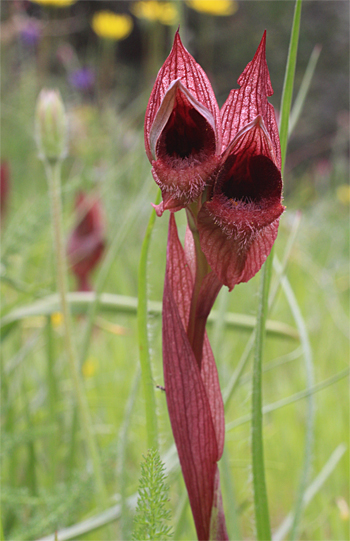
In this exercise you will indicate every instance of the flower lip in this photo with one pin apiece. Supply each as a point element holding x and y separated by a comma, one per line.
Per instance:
<point>200,115</point>
<point>247,195</point>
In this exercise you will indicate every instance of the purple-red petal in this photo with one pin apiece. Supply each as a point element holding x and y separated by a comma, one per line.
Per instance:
<point>250,100</point>
<point>182,66</point>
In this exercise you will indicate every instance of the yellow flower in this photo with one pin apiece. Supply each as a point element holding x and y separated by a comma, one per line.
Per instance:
<point>56,3</point>
<point>56,319</point>
<point>214,7</point>
<point>109,25</point>
<point>89,367</point>
<point>343,194</point>
<point>164,12</point>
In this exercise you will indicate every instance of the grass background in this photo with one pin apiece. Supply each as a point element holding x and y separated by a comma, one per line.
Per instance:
<point>47,481</point>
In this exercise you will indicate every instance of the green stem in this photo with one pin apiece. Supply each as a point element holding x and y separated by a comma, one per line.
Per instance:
<point>53,172</point>
<point>142,318</point>
<point>52,397</point>
<point>307,459</point>
<point>288,84</point>
<point>260,494</point>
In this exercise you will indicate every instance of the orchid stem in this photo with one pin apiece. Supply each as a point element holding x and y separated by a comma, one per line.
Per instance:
<point>142,318</point>
<point>53,172</point>
<point>197,322</point>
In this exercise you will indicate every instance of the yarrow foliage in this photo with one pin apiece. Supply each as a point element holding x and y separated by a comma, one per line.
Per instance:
<point>223,167</point>
<point>152,515</point>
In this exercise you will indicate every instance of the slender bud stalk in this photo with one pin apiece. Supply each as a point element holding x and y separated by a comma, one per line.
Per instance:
<point>53,173</point>
<point>51,136</point>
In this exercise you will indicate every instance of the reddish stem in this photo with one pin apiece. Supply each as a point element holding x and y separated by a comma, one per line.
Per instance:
<point>205,290</point>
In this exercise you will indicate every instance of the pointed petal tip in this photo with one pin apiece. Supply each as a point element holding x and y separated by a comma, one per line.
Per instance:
<point>158,208</point>
<point>177,38</point>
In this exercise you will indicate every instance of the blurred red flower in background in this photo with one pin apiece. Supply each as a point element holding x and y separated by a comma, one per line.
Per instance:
<point>4,187</point>
<point>86,243</point>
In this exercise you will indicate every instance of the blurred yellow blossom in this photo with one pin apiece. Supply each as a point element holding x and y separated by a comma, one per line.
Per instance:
<point>56,319</point>
<point>343,194</point>
<point>343,508</point>
<point>214,7</point>
<point>89,367</point>
<point>56,3</point>
<point>109,25</point>
<point>164,12</point>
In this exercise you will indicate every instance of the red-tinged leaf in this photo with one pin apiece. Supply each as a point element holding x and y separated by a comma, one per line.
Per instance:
<point>181,373</point>
<point>178,273</point>
<point>217,521</point>
<point>212,387</point>
<point>190,415</point>
<point>243,105</point>
<point>181,66</point>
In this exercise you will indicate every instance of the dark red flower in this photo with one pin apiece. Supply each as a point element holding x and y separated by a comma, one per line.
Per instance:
<point>86,243</point>
<point>182,129</point>
<point>238,224</point>
<point>233,205</point>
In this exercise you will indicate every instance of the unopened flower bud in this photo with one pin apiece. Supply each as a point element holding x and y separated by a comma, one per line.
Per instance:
<point>51,126</point>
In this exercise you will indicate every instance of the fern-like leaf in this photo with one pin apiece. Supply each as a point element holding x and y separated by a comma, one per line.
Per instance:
<point>151,512</point>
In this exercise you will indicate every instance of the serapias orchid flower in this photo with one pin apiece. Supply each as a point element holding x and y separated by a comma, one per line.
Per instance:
<point>86,243</point>
<point>182,129</point>
<point>225,170</point>
<point>238,223</point>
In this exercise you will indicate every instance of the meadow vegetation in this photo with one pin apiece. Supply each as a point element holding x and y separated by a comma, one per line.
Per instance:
<point>47,477</point>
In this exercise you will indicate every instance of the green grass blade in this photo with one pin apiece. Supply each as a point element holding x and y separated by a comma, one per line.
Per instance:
<point>312,489</point>
<point>260,495</point>
<point>2,538</point>
<point>180,517</point>
<point>288,84</point>
<point>125,520</point>
<point>80,302</point>
<point>307,354</point>
<point>142,326</point>
<point>232,521</point>
<point>269,408</point>
<point>262,518</point>
<point>304,88</point>
<point>236,376</point>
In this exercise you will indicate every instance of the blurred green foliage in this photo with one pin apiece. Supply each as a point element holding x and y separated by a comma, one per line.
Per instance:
<point>46,483</point>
